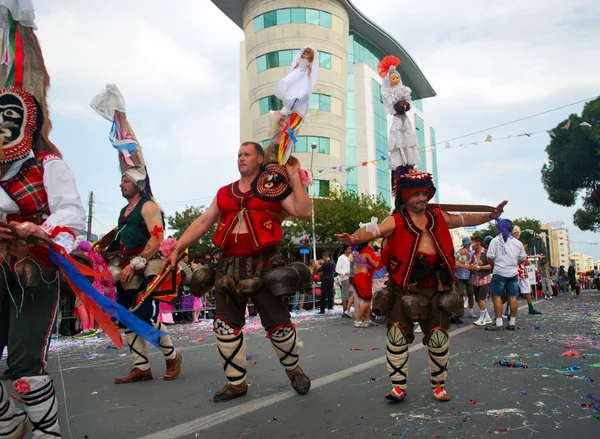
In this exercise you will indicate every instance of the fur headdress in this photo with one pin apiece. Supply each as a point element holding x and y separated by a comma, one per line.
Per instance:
<point>387,63</point>
<point>22,68</point>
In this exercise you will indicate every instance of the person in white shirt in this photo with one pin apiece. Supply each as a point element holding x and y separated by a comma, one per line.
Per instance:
<point>504,255</point>
<point>342,268</point>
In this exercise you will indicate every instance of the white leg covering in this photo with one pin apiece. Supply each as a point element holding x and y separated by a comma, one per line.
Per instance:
<point>232,350</point>
<point>166,345</point>
<point>397,356</point>
<point>41,405</point>
<point>137,347</point>
<point>438,347</point>
<point>286,345</point>
<point>13,421</point>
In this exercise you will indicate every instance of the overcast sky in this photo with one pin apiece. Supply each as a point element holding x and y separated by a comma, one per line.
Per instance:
<point>490,62</point>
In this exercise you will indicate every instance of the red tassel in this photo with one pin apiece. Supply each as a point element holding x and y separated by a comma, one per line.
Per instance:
<point>18,66</point>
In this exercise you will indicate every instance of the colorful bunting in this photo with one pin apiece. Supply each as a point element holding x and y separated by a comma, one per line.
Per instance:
<point>488,138</point>
<point>566,126</point>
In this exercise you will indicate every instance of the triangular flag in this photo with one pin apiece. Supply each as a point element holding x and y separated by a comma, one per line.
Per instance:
<point>566,126</point>
<point>447,144</point>
<point>488,138</point>
<point>383,157</point>
<point>373,162</point>
<point>334,167</point>
<point>320,170</point>
<point>340,168</point>
<point>584,124</point>
<point>551,133</point>
<point>528,134</point>
<point>363,164</point>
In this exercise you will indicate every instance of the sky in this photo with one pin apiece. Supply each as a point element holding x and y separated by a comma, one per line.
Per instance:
<point>490,63</point>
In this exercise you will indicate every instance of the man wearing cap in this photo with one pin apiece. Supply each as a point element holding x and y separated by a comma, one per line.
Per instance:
<point>524,287</point>
<point>420,260</point>
<point>464,279</point>
<point>505,254</point>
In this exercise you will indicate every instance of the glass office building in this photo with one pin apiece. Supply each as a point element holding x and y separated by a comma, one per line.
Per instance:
<point>345,132</point>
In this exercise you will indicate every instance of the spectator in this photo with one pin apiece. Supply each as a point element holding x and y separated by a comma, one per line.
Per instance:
<point>546,274</point>
<point>464,278</point>
<point>481,281</point>
<point>505,254</point>
<point>342,268</point>
<point>327,270</point>
<point>524,286</point>
<point>561,280</point>
<point>597,278</point>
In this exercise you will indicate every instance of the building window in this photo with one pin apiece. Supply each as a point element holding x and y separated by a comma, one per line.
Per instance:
<point>294,15</point>
<point>320,188</point>
<point>284,58</point>
<point>320,102</point>
<point>269,103</point>
<point>304,144</point>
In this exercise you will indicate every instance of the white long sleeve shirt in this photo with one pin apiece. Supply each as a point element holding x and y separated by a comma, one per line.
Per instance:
<point>342,267</point>
<point>64,201</point>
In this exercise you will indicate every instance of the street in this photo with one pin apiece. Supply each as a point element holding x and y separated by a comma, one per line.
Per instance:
<point>347,368</point>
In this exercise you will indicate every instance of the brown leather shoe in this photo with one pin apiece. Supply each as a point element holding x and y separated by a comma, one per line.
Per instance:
<point>135,375</point>
<point>231,391</point>
<point>173,368</point>
<point>300,382</point>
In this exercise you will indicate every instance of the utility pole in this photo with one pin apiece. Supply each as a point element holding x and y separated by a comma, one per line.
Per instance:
<point>89,221</point>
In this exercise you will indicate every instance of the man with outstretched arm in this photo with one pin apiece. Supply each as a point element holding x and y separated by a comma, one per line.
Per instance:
<point>419,256</point>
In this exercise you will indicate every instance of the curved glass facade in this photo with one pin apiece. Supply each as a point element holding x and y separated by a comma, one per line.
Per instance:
<point>317,102</point>
<point>304,144</point>
<point>381,142</point>
<point>292,16</point>
<point>284,58</point>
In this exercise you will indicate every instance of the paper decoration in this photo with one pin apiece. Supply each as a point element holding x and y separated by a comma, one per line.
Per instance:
<point>488,138</point>
<point>566,126</point>
<point>584,124</point>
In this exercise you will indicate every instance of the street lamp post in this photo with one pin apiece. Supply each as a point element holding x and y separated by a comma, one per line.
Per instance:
<point>312,204</point>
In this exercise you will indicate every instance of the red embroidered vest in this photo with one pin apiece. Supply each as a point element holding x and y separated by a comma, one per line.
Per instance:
<point>264,229</point>
<point>400,252</point>
<point>27,189</point>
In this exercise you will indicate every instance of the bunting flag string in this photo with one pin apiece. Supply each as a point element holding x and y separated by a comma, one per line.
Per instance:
<point>447,145</point>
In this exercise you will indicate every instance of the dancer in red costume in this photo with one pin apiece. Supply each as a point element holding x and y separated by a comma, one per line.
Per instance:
<point>366,263</point>
<point>419,257</point>
<point>248,214</point>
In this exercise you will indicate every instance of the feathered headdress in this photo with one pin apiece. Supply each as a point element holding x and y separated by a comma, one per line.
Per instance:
<point>23,72</point>
<point>110,104</point>
<point>387,63</point>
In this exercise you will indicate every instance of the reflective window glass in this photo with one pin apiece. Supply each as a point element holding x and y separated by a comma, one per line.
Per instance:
<point>264,105</point>
<point>270,18</point>
<point>325,19</point>
<point>325,60</point>
<point>285,58</point>
<point>284,16</point>
<point>298,15</point>
<point>324,143</point>
<point>325,103</point>
<point>272,60</point>
<point>301,144</point>
<point>261,63</point>
<point>259,23</point>
<point>312,16</point>
<point>313,104</point>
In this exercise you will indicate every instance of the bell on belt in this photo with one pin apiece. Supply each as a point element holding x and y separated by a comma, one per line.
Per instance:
<point>452,304</point>
<point>247,286</point>
<point>225,284</point>
<point>382,302</point>
<point>416,307</point>
<point>202,279</point>
<point>305,283</point>
<point>282,281</point>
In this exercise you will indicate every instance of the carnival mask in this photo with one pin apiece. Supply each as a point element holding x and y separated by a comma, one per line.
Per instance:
<point>19,112</point>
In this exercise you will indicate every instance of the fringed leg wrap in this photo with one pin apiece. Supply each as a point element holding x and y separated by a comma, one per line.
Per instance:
<point>165,343</point>
<point>13,421</point>
<point>397,362</point>
<point>286,345</point>
<point>41,405</point>
<point>137,347</point>
<point>438,344</point>
<point>232,349</point>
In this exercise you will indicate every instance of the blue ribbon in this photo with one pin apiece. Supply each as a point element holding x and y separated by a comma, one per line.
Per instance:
<point>291,134</point>
<point>141,328</point>
<point>120,145</point>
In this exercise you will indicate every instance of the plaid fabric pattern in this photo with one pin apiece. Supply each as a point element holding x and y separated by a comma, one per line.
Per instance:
<point>27,189</point>
<point>463,273</point>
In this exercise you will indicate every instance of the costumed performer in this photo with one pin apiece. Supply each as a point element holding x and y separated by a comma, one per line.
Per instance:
<point>133,253</point>
<point>297,87</point>
<point>419,256</point>
<point>38,195</point>
<point>402,143</point>
<point>366,263</point>
<point>248,214</point>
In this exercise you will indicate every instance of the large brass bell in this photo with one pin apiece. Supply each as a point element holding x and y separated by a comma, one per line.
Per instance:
<point>202,280</point>
<point>282,281</point>
<point>416,307</point>
<point>305,277</point>
<point>382,302</point>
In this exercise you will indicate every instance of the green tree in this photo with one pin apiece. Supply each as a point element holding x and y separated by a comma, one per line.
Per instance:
<point>341,212</point>
<point>573,166</point>
<point>182,220</point>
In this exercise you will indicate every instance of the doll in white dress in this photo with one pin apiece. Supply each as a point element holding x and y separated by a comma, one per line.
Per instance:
<point>299,82</point>
<point>402,140</point>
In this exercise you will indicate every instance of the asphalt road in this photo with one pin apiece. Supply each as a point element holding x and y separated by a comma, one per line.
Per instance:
<point>349,381</point>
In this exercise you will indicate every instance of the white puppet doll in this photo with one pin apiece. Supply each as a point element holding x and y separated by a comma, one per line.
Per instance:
<point>402,140</point>
<point>299,82</point>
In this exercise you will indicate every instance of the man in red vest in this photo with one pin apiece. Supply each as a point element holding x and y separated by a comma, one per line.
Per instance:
<point>248,214</point>
<point>419,257</point>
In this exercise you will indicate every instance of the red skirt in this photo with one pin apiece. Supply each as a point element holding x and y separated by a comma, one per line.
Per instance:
<point>363,284</point>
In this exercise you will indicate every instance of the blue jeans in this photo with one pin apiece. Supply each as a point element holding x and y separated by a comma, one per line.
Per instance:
<point>505,286</point>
